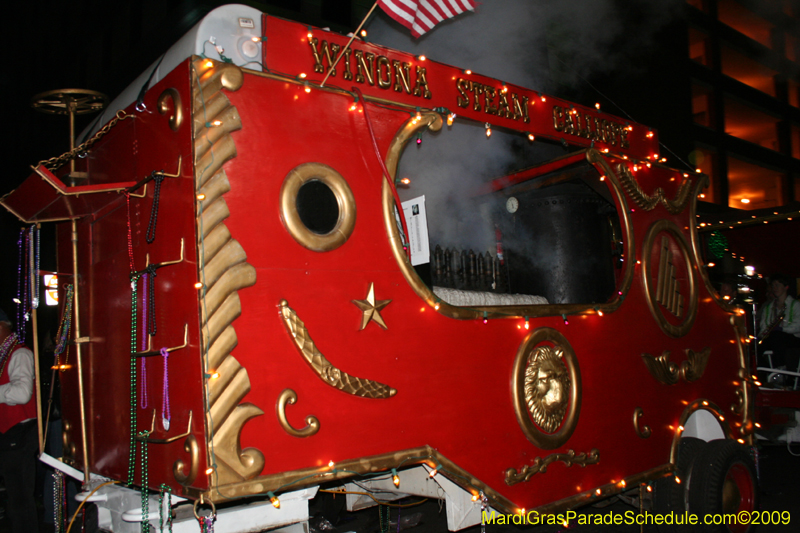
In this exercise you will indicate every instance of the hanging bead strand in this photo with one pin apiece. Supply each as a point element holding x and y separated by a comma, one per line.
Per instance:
<point>166,416</point>
<point>143,364</point>
<point>132,448</point>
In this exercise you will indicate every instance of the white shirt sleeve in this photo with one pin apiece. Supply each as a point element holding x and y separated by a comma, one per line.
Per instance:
<point>793,327</point>
<point>19,389</point>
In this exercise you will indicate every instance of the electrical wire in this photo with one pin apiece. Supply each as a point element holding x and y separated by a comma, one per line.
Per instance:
<point>399,505</point>
<point>87,499</point>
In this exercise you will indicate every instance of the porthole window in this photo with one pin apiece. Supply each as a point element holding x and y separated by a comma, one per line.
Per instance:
<point>317,207</point>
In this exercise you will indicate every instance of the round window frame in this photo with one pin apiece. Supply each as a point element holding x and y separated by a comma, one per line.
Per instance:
<point>345,223</point>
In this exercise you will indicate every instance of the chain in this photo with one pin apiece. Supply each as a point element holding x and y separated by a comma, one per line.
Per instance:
<point>132,449</point>
<point>35,248</point>
<point>130,236</point>
<point>143,364</point>
<point>55,162</point>
<point>384,526</point>
<point>145,482</point>
<point>165,489</point>
<point>63,328</point>
<point>20,299</point>
<point>150,236</point>
<point>58,499</point>
<point>151,299</point>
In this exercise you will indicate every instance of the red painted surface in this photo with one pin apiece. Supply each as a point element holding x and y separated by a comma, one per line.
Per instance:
<point>452,376</point>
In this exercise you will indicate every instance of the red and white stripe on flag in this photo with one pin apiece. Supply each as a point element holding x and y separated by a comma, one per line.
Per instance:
<point>422,15</point>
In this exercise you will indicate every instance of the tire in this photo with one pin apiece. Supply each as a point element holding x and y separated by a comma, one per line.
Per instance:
<point>670,496</point>
<point>724,482</point>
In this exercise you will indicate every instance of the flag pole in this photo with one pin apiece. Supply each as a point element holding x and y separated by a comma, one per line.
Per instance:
<point>344,50</point>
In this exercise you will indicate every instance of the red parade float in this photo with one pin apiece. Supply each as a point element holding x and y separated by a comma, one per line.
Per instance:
<point>238,252</point>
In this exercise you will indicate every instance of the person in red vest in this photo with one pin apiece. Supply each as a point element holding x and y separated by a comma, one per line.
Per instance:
<point>18,435</point>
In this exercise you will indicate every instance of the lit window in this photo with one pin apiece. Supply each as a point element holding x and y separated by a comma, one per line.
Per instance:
<point>791,47</point>
<point>699,47</point>
<point>706,160</point>
<point>748,71</point>
<point>702,105</point>
<point>744,21</point>
<point>795,141</point>
<point>752,186</point>
<point>747,124</point>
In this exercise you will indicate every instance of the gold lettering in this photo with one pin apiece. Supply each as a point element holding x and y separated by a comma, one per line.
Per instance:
<point>624,142</point>
<point>521,109</point>
<point>488,95</point>
<point>592,132</point>
<point>463,86</point>
<point>365,67</point>
<point>502,106</point>
<point>348,75</point>
<point>383,67</point>
<point>317,59</point>
<point>402,77</point>
<point>477,90</point>
<point>558,118</point>
<point>326,52</point>
<point>569,123</point>
<point>602,131</point>
<point>421,87</point>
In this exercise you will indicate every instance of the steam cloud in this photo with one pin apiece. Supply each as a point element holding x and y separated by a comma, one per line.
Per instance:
<point>550,46</point>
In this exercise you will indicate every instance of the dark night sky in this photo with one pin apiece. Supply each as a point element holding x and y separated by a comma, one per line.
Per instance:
<point>88,44</point>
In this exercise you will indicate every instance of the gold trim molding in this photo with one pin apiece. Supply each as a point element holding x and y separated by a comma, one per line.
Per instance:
<point>539,465</point>
<point>532,377</point>
<point>653,291</point>
<point>643,431</point>
<point>324,369</point>
<point>296,178</point>
<point>224,270</point>
<point>649,202</point>
<point>669,373</point>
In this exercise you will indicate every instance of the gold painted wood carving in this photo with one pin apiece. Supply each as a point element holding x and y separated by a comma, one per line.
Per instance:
<point>642,430</point>
<point>328,373</point>
<point>539,465</point>
<point>170,101</point>
<point>179,468</point>
<point>223,270</point>
<point>649,202</point>
<point>371,308</point>
<point>670,278</point>
<point>668,288</point>
<point>546,388</point>
<point>288,396</point>
<point>669,373</point>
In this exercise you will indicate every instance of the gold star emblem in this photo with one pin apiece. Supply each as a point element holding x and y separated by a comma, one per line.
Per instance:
<point>371,308</point>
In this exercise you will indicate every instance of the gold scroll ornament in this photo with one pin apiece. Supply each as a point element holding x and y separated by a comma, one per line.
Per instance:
<point>539,465</point>
<point>669,373</point>
<point>328,373</point>
<point>649,201</point>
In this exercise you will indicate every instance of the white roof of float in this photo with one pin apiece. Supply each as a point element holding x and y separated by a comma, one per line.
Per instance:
<point>227,30</point>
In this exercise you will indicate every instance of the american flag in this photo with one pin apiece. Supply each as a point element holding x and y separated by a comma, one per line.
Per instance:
<point>421,16</point>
